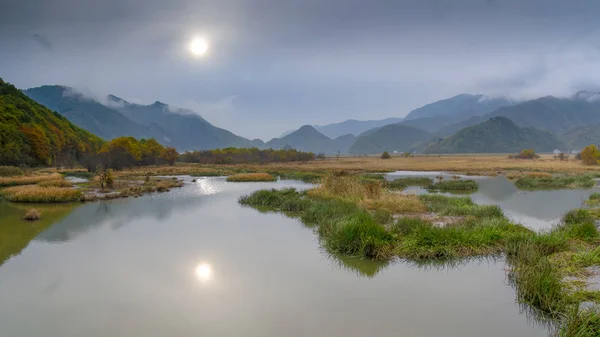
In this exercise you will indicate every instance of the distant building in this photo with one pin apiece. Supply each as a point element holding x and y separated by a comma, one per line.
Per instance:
<point>557,152</point>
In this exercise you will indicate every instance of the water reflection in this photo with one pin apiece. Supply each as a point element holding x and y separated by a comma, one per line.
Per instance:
<point>363,267</point>
<point>206,186</point>
<point>16,233</point>
<point>278,282</point>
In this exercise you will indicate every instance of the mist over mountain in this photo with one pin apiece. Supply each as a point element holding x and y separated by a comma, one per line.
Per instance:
<point>116,117</point>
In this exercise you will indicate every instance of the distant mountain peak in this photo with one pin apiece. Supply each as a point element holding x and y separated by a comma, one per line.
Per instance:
<point>307,127</point>
<point>460,106</point>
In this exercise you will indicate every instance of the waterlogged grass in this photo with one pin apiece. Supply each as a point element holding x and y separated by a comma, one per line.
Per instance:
<point>39,194</point>
<point>534,183</point>
<point>459,206</point>
<point>423,241</point>
<point>581,323</point>
<point>594,199</point>
<point>251,177</point>
<point>549,271</point>
<point>454,185</point>
<point>402,183</point>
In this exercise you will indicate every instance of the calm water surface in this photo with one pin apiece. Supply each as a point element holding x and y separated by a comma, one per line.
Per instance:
<point>538,210</point>
<point>194,263</point>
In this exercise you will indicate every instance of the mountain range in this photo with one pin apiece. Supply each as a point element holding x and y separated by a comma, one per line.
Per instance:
<point>182,129</point>
<point>433,127</point>
<point>307,138</point>
<point>393,137</point>
<point>496,135</point>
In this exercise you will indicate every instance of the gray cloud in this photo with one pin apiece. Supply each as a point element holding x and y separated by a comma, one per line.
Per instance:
<point>294,62</point>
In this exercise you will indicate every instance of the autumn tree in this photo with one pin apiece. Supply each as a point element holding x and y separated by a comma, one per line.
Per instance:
<point>170,155</point>
<point>590,155</point>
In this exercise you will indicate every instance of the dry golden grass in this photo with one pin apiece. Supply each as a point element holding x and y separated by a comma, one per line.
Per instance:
<point>475,164</point>
<point>250,177</point>
<point>56,183</point>
<point>33,193</point>
<point>28,180</point>
<point>538,175</point>
<point>369,194</point>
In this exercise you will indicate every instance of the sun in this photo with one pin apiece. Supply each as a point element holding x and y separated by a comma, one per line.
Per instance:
<point>204,272</point>
<point>198,47</point>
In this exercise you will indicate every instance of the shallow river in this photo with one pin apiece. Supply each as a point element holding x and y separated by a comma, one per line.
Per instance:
<point>192,262</point>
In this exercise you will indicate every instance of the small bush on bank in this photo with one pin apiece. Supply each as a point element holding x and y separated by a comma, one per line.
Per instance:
<point>32,214</point>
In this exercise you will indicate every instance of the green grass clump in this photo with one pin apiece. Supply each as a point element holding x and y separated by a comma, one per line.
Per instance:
<point>595,196</point>
<point>594,199</point>
<point>534,183</point>
<point>326,210</point>
<point>421,240</point>
<point>454,185</point>
<point>459,206</point>
<point>537,283</point>
<point>581,323</point>
<point>251,177</point>
<point>580,224</point>
<point>287,200</point>
<point>402,183</point>
<point>408,225</point>
<point>10,171</point>
<point>358,234</point>
<point>382,216</point>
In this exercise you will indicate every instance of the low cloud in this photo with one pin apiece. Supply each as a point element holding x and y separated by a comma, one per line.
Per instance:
<point>221,112</point>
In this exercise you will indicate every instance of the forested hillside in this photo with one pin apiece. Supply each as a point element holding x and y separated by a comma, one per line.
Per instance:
<point>31,134</point>
<point>496,135</point>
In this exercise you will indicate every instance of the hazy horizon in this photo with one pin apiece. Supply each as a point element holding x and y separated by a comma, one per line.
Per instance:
<point>273,66</point>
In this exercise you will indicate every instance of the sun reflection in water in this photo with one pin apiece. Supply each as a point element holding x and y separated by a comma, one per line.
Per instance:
<point>206,186</point>
<point>204,272</point>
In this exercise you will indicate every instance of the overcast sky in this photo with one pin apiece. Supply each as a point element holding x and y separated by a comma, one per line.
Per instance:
<point>275,65</point>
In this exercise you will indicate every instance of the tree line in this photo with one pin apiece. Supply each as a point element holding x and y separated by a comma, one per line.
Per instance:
<point>232,155</point>
<point>125,152</point>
